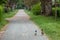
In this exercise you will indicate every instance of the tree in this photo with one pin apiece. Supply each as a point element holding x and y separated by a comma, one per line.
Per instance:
<point>20,4</point>
<point>12,4</point>
<point>29,3</point>
<point>46,6</point>
<point>55,10</point>
<point>3,1</point>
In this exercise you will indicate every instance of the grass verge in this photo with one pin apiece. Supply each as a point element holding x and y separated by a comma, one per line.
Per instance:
<point>10,14</point>
<point>7,15</point>
<point>50,26</point>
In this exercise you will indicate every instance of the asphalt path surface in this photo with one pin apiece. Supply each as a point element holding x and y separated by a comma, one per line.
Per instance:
<point>20,27</point>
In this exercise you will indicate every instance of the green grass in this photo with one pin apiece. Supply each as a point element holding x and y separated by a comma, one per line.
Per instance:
<point>50,26</point>
<point>7,15</point>
<point>10,14</point>
<point>3,23</point>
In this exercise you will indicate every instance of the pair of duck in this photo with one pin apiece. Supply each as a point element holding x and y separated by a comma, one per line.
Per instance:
<point>41,32</point>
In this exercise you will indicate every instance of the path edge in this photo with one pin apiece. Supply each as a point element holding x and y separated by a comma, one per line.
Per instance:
<point>3,30</point>
<point>40,29</point>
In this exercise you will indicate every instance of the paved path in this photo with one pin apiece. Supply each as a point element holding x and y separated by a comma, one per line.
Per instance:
<point>21,28</point>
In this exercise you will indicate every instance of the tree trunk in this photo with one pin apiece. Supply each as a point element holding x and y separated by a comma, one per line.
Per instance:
<point>46,6</point>
<point>42,8</point>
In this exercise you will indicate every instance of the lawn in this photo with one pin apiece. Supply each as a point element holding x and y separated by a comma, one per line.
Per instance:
<point>50,26</point>
<point>7,15</point>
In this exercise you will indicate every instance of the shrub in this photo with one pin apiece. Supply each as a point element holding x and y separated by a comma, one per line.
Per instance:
<point>1,13</point>
<point>58,12</point>
<point>36,9</point>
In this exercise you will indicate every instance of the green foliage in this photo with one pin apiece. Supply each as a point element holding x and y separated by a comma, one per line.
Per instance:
<point>3,22</point>
<point>10,14</point>
<point>58,11</point>
<point>20,4</point>
<point>36,9</point>
<point>3,1</point>
<point>49,25</point>
<point>1,13</point>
